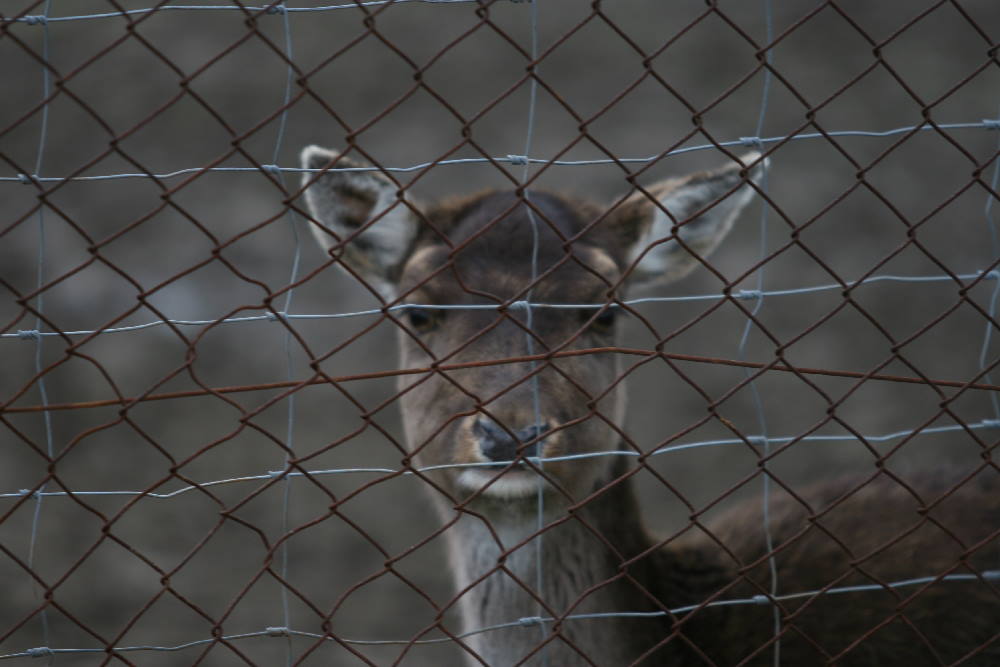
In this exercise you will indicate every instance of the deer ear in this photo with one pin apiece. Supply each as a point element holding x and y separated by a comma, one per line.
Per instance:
<point>672,229</point>
<point>359,217</point>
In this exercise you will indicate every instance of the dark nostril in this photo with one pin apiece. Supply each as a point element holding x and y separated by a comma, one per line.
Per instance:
<point>487,429</point>
<point>496,444</point>
<point>531,433</point>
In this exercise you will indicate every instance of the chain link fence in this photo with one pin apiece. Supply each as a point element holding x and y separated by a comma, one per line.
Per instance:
<point>203,456</point>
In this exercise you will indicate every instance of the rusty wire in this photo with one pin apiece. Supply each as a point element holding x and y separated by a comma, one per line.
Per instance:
<point>91,430</point>
<point>296,384</point>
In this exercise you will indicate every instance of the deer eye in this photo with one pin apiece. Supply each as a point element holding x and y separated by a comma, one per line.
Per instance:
<point>605,320</point>
<point>423,319</point>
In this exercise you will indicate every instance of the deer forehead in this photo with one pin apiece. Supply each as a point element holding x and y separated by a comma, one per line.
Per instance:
<point>500,244</point>
<point>441,274</point>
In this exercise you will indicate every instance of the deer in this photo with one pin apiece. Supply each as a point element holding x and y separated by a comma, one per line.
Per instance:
<point>551,560</point>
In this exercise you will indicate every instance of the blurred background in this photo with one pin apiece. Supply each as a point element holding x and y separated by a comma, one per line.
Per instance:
<point>119,116</point>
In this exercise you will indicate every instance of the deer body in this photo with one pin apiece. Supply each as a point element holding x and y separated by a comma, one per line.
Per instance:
<point>559,539</point>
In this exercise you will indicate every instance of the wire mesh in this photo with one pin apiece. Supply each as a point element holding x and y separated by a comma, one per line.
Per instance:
<point>204,458</point>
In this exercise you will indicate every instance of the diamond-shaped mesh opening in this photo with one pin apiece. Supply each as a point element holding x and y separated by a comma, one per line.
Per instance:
<point>480,422</point>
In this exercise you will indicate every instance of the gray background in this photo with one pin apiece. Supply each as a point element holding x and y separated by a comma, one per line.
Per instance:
<point>104,556</point>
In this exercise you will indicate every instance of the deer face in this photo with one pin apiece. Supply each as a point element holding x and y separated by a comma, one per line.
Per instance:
<point>497,416</point>
<point>485,426</point>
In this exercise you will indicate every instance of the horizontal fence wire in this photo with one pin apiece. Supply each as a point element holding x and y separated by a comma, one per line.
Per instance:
<point>272,9</point>
<point>526,622</point>
<point>753,440</point>
<point>749,142</point>
<point>445,368</point>
<point>743,294</point>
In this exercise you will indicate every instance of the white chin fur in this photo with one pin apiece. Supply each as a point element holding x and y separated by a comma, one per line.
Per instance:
<point>510,485</point>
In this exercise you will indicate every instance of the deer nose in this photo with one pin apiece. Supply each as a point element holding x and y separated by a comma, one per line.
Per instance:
<point>496,443</point>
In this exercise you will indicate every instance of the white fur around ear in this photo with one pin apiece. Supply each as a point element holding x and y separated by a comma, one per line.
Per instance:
<point>359,217</point>
<point>724,192</point>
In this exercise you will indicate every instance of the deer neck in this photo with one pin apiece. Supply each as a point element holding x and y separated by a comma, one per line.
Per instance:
<point>513,568</point>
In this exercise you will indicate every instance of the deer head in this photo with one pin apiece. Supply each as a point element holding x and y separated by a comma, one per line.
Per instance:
<point>496,252</point>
